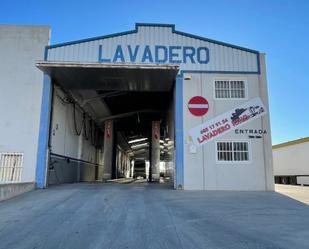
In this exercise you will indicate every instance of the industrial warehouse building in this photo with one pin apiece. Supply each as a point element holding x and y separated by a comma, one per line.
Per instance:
<point>194,110</point>
<point>291,162</point>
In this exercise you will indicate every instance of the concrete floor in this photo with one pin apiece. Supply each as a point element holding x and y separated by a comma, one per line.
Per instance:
<point>151,216</point>
<point>299,193</point>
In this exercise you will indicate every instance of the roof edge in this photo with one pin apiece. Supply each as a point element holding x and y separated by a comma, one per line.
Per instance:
<point>25,25</point>
<point>68,64</point>
<point>172,26</point>
<point>167,25</point>
<point>290,143</point>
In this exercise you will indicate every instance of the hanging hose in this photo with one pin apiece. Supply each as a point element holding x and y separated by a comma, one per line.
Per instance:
<point>91,129</point>
<point>78,132</point>
<point>96,136</point>
<point>85,128</point>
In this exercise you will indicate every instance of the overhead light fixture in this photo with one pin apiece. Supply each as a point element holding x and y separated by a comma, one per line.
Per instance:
<point>139,145</point>
<point>140,151</point>
<point>137,140</point>
<point>187,77</point>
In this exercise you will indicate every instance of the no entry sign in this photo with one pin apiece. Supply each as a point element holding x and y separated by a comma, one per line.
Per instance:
<point>198,106</point>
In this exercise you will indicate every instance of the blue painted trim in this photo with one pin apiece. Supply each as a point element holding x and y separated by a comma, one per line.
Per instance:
<point>46,53</point>
<point>258,63</point>
<point>221,72</point>
<point>42,155</point>
<point>215,41</point>
<point>154,25</point>
<point>92,39</point>
<point>179,133</point>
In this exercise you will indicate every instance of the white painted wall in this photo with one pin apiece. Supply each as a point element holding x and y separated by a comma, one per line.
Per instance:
<point>201,170</point>
<point>291,160</point>
<point>21,91</point>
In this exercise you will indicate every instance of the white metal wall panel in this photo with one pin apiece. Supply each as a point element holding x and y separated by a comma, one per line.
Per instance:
<point>193,172</point>
<point>291,160</point>
<point>222,58</point>
<point>201,170</point>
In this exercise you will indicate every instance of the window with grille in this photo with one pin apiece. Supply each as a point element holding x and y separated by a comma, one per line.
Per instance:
<point>10,167</point>
<point>230,89</point>
<point>233,151</point>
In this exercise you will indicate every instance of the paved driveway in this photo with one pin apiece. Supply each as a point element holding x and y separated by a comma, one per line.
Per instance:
<point>151,216</point>
<point>299,193</point>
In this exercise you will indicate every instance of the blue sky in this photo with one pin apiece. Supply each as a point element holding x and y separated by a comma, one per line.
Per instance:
<point>278,28</point>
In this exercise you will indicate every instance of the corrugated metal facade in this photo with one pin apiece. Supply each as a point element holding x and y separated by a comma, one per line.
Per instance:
<point>197,169</point>
<point>221,57</point>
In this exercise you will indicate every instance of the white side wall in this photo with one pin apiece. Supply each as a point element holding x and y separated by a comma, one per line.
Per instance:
<point>65,142</point>
<point>291,160</point>
<point>201,170</point>
<point>21,91</point>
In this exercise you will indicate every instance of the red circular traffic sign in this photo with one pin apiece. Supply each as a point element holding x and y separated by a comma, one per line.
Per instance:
<point>198,106</point>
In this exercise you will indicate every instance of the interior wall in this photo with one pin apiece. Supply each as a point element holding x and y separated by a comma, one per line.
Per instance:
<point>21,92</point>
<point>123,163</point>
<point>65,142</point>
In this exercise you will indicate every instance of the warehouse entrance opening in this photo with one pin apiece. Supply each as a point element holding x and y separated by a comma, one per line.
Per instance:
<point>111,121</point>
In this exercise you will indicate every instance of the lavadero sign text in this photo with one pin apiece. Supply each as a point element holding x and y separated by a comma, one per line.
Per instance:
<point>155,54</point>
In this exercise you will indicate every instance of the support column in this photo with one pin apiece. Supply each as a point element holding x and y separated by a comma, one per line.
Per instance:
<point>43,150</point>
<point>268,155</point>
<point>155,151</point>
<point>179,179</point>
<point>108,150</point>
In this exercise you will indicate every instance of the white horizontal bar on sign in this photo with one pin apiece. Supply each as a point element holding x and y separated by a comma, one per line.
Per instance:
<point>198,106</point>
